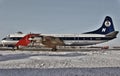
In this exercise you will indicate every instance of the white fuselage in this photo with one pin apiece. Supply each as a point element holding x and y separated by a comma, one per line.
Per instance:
<point>79,39</point>
<point>68,39</point>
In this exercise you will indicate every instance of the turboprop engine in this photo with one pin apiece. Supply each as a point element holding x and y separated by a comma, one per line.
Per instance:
<point>52,42</point>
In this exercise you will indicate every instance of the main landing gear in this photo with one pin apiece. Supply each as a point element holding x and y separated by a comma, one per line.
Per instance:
<point>54,49</point>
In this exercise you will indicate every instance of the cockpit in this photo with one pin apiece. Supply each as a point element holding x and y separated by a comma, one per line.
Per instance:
<point>12,38</point>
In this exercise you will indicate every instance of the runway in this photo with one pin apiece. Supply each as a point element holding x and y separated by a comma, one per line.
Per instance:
<point>102,71</point>
<point>60,63</point>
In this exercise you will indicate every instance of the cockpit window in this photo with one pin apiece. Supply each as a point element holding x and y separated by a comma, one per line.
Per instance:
<point>12,38</point>
<point>4,39</point>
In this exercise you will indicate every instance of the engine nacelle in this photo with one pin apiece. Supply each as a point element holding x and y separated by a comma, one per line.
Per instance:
<point>52,42</point>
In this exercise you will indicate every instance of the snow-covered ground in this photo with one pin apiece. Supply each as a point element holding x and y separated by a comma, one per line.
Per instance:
<point>46,63</point>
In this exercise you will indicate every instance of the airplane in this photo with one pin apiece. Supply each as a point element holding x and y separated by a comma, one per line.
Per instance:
<point>105,33</point>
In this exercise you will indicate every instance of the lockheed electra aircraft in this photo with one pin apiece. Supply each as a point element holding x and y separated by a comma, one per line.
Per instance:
<point>105,33</point>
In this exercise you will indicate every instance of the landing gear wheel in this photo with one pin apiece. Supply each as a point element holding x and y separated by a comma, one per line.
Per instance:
<point>54,49</point>
<point>17,47</point>
<point>13,48</point>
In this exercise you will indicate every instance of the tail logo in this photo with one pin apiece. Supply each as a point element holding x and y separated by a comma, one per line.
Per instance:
<point>104,29</point>
<point>107,23</point>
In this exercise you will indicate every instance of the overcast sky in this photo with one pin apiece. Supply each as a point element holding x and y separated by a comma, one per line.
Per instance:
<point>57,16</point>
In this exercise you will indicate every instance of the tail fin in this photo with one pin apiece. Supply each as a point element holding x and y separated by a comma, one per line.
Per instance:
<point>106,27</point>
<point>25,40</point>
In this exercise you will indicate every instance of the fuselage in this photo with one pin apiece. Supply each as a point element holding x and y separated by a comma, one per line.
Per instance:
<point>80,39</point>
<point>68,39</point>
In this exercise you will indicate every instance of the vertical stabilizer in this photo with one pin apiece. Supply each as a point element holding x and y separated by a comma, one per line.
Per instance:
<point>106,27</point>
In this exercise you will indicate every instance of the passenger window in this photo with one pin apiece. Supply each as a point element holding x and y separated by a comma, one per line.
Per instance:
<point>98,38</point>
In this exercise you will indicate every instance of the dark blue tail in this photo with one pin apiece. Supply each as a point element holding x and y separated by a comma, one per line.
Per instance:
<point>106,27</point>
